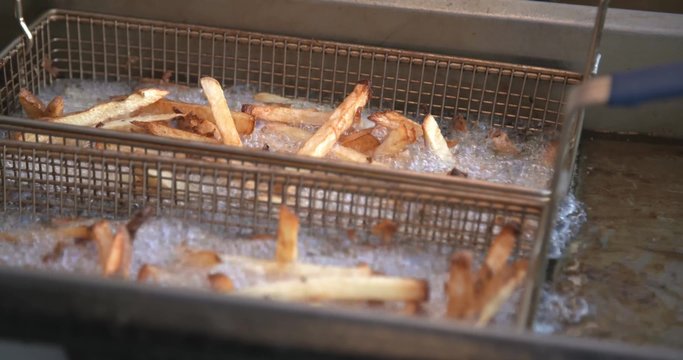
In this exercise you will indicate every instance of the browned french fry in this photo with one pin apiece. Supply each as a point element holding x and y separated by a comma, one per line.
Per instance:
<point>193,123</point>
<point>265,97</point>
<point>396,141</point>
<point>127,124</point>
<point>499,289</point>
<point>457,173</point>
<point>460,124</point>
<point>101,233</point>
<point>385,230</point>
<point>161,129</point>
<point>550,153</point>
<point>33,107</point>
<point>460,286</point>
<point>122,237</point>
<point>362,141</point>
<point>435,140</point>
<point>243,122</point>
<point>74,232</point>
<point>501,248</point>
<point>148,272</point>
<point>139,218</point>
<point>221,113</point>
<point>113,109</point>
<point>55,253</point>
<point>377,288</point>
<point>220,283</point>
<point>286,250</point>
<point>451,143</point>
<point>394,120</point>
<point>55,108</point>
<point>341,119</point>
<point>200,258</point>
<point>287,115</point>
<point>501,143</point>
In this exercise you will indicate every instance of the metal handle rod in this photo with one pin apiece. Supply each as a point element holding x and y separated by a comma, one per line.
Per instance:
<point>19,14</point>
<point>564,168</point>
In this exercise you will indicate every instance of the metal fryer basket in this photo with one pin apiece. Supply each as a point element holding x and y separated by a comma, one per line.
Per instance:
<point>72,174</point>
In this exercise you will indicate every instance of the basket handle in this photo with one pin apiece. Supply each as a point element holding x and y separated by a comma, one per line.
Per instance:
<point>19,14</point>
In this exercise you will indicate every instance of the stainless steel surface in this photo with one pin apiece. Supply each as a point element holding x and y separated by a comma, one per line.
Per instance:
<point>19,14</point>
<point>529,32</point>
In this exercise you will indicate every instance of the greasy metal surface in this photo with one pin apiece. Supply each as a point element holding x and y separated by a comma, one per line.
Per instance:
<point>530,32</point>
<point>627,262</point>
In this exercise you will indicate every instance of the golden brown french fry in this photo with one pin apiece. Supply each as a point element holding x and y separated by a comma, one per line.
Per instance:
<point>385,230</point>
<point>394,120</point>
<point>299,134</point>
<point>460,285</point>
<point>221,113</point>
<point>193,123</point>
<point>412,308</point>
<point>122,237</point>
<point>113,109</point>
<point>499,289</point>
<point>286,250</point>
<point>55,108</point>
<point>377,288</point>
<point>435,140</point>
<point>33,107</point>
<point>127,124</point>
<point>362,141</point>
<point>200,258</point>
<point>295,269</point>
<point>460,124</point>
<point>501,143</point>
<point>501,248</point>
<point>220,283</point>
<point>148,272</point>
<point>341,119</point>
<point>101,233</point>
<point>265,97</point>
<point>161,129</point>
<point>287,115</point>
<point>397,140</point>
<point>73,232</point>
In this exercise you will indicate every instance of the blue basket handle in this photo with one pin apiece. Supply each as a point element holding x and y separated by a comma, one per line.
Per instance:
<point>634,87</point>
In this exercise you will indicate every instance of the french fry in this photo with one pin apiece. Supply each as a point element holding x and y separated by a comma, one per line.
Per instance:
<point>161,129</point>
<point>501,248</point>
<point>394,120</point>
<point>127,124</point>
<point>362,141</point>
<point>193,123</point>
<point>243,122</point>
<point>220,283</point>
<point>56,252</point>
<point>221,113</point>
<point>348,154</point>
<point>499,289</point>
<point>139,218</point>
<point>33,107</point>
<point>385,230</point>
<point>287,115</point>
<point>148,272</point>
<point>501,143</point>
<point>341,119</point>
<point>200,258</point>
<point>286,250</point>
<point>412,308</point>
<point>373,288</point>
<point>270,267</point>
<point>550,152</point>
<point>460,124</point>
<point>396,141</point>
<point>265,97</point>
<point>122,237</point>
<point>113,109</point>
<point>55,108</point>
<point>435,140</point>
<point>460,285</point>
<point>74,232</point>
<point>101,233</point>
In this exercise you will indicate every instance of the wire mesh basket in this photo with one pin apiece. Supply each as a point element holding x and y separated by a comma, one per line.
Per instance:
<point>103,173</point>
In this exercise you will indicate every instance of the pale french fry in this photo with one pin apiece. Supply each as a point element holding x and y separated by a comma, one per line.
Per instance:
<point>33,107</point>
<point>348,154</point>
<point>55,108</point>
<point>114,109</point>
<point>377,288</point>
<point>127,124</point>
<point>435,140</point>
<point>286,250</point>
<point>499,290</point>
<point>460,286</point>
<point>501,248</point>
<point>200,258</point>
<point>243,122</point>
<point>362,141</point>
<point>341,119</point>
<point>270,267</point>
<point>161,129</point>
<point>265,97</point>
<point>394,120</point>
<point>501,143</point>
<point>220,283</point>
<point>396,141</point>
<point>221,113</point>
<point>287,115</point>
